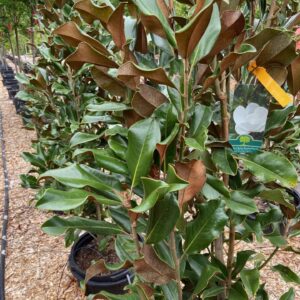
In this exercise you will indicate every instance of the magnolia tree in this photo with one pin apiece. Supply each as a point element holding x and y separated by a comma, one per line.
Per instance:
<point>139,99</point>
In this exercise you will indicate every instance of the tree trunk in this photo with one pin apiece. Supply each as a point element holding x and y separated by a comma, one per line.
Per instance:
<point>12,51</point>
<point>32,35</point>
<point>18,47</point>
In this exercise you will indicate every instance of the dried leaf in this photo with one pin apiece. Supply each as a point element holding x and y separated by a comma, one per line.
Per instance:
<point>87,54</point>
<point>147,99</point>
<point>108,83</point>
<point>194,172</point>
<point>115,26</point>
<point>91,12</point>
<point>95,269</point>
<point>100,267</point>
<point>130,70</point>
<point>73,36</point>
<point>152,269</point>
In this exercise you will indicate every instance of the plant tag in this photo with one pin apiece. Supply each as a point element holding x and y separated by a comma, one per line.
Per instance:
<point>247,125</point>
<point>282,97</point>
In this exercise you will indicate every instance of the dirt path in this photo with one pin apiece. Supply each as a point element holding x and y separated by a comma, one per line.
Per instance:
<point>35,264</point>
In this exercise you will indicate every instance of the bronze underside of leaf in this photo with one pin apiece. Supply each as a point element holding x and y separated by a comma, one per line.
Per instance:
<point>147,99</point>
<point>193,172</point>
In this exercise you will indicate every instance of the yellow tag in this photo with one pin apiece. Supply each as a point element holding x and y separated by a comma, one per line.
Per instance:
<point>270,84</point>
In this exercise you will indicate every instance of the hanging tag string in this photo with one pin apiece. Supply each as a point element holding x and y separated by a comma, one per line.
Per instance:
<point>270,84</point>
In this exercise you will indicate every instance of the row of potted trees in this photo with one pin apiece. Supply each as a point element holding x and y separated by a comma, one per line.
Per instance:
<point>131,103</point>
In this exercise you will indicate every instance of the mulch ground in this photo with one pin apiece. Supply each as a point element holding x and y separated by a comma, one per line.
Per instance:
<point>36,263</point>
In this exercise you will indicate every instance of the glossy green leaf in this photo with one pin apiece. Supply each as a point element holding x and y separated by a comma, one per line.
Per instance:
<point>82,137</point>
<point>206,227</point>
<point>214,188</point>
<point>250,279</point>
<point>66,200</point>
<point>207,273</point>
<point>154,189</point>
<point>261,293</point>
<point>157,189</point>
<point>88,119</point>
<point>162,219</point>
<point>278,118</point>
<point>241,204</point>
<point>268,167</point>
<point>105,159</point>
<point>237,292</point>
<point>142,139</point>
<point>198,142</point>
<point>212,292</point>
<point>22,78</point>
<point>241,260</point>
<point>289,295</point>
<point>201,119</point>
<point>107,106</point>
<point>276,237</point>
<point>111,296</point>
<point>286,273</point>
<point>204,271</point>
<point>170,290</point>
<point>150,8</point>
<point>278,196</point>
<point>175,99</point>
<point>170,138</point>
<point>125,248</point>
<point>120,216</point>
<point>224,161</point>
<point>58,226</point>
<point>118,145</point>
<point>35,160</point>
<point>79,176</point>
<point>209,37</point>
<point>115,130</point>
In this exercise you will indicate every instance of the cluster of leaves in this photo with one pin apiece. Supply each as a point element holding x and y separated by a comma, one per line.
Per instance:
<point>130,102</point>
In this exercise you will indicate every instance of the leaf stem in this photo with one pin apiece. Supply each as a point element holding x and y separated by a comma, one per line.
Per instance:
<point>172,245</point>
<point>133,221</point>
<point>230,254</point>
<point>185,105</point>
<point>269,258</point>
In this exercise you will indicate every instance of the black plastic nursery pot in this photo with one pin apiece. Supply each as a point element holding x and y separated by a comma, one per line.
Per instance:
<point>8,75</point>
<point>10,82</point>
<point>296,202</point>
<point>113,283</point>
<point>19,105</point>
<point>12,93</point>
<point>12,88</point>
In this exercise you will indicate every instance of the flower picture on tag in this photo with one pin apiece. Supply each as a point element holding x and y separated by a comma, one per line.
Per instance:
<point>249,117</point>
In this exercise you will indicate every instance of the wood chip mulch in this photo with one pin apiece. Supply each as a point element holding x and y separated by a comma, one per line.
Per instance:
<point>36,263</point>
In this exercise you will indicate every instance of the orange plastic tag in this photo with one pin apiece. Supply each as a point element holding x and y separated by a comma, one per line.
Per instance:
<point>270,84</point>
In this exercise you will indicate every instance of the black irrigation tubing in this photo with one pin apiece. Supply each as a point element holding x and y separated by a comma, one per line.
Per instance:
<point>5,213</point>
